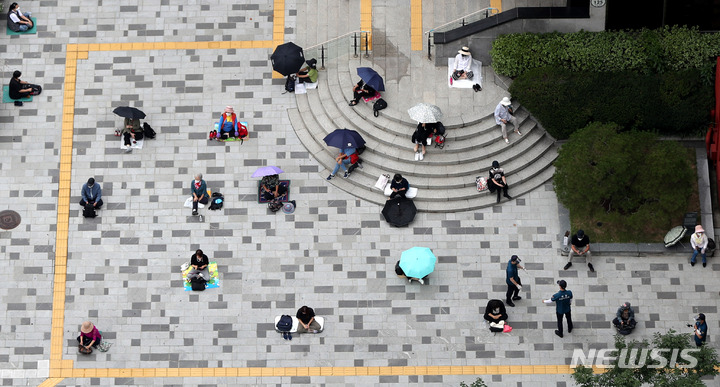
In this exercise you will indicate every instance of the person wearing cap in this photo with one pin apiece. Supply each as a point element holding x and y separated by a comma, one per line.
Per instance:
<point>503,116</point>
<point>89,335</point>
<point>512,279</point>
<point>562,301</point>
<point>580,245</point>
<point>497,181</point>
<point>700,330</point>
<point>308,74</point>
<point>91,193</point>
<point>343,159</point>
<point>624,320</point>
<point>699,243</point>
<point>199,262</point>
<point>228,125</point>
<point>360,90</point>
<point>461,66</point>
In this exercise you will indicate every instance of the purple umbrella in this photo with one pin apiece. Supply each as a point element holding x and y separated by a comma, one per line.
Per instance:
<point>267,171</point>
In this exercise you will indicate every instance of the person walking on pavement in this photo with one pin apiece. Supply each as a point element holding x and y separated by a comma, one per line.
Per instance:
<point>512,279</point>
<point>562,307</point>
<point>700,330</point>
<point>580,245</point>
<point>503,115</point>
<point>699,243</point>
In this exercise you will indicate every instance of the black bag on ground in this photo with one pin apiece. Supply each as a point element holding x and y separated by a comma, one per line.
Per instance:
<point>198,284</point>
<point>148,131</point>
<point>216,201</point>
<point>359,150</point>
<point>89,211</point>
<point>275,205</point>
<point>290,84</point>
<point>36,89</point>
<point>379,105</point>
<point>285,323</point>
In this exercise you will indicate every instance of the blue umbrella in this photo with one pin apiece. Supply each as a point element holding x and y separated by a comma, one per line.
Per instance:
<point>417,262</point>
<point>371,78</point>
<point>344,138</point>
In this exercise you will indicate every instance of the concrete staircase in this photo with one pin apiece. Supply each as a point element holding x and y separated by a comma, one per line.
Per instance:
<point>445,178</point>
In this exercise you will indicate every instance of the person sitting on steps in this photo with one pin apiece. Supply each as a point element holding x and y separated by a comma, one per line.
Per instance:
<point>361,90</point>
<point>497,181</point>
<point>308,74</point>
<point>344,159</point>
<point>399,187</point>
<point>419,138</point>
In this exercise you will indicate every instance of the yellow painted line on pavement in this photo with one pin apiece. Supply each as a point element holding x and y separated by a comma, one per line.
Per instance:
<point>496,4</point>
<point>278,28</point>
<point>366,21</point>
<point>416,32</point>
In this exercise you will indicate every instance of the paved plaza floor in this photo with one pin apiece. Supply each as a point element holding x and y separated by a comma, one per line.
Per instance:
<point>182,62</point>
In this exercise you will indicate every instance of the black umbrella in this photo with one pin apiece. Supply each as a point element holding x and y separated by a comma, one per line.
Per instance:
<point>288,58</point>
<point>344,138</point>
<point>399,212</point>
<point>129,112</point>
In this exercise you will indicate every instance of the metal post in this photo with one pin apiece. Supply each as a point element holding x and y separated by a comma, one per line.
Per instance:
<point>355,45</point>
<point>366,45</point>
<point>322,57</point>
<point>463,22</point>
<point>429,53</point>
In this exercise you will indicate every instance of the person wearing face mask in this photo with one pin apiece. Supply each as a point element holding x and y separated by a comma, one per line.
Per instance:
<point>462,64</point>
<point>199,192</point>
<point>228,125</point>
<point>699,243</point>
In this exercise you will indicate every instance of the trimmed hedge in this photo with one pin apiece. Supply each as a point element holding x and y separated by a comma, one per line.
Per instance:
<point>642,51</point>
<point>672,103</point>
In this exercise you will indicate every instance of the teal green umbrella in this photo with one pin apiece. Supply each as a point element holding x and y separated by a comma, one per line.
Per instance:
<point>417,262</point>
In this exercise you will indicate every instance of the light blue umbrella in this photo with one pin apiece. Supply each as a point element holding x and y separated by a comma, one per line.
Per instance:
<point>417,262</point>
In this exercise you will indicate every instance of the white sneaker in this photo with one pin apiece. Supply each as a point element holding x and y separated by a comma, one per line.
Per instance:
<point>409,280</point>
<point>507,141</point>
<point>421,282</point>
<point>417,156</point>
<point>421,156</point>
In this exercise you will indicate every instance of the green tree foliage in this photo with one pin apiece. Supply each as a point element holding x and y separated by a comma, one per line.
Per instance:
<point>629,176</point>
<point>674,103</point>
<point>667,376</point>
<point>642,51</point>
<point>477,383</point>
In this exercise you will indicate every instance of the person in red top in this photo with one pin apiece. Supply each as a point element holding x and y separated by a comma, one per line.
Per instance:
<point>89,335</point>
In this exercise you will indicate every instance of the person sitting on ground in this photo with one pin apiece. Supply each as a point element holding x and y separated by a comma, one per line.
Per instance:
<point>419,137</point>
<point>132,132</point>
<point>306,320</point>
<point>199,263</point>
<point>17,20</point>
<point>461,66</point>
<point>362,90</point>
<point>504,114</point>
<point>624,320</point>
<point>399,186</point>
<point>495,312</point>
<point>343,159</point>
<point>89,336</point>
<point>271,188</point>
<point>699,242</point>
<point>308,74</point>
<point>497,181</point>
<point>228,125</point>
<point>18,89</point>
<point>580,245</point>
<point>198,187</point>
<point>401,273</point>
<point>91,193</point>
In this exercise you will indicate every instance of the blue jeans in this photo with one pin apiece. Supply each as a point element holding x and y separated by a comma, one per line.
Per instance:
<point>695,253</point>
<point>337,166</point>
<point>24,27</point>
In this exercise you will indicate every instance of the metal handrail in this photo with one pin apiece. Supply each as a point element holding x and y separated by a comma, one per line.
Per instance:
<point>431,31</point>
<point>323,45</point>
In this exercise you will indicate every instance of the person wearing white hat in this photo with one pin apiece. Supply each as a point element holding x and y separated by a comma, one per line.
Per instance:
<point>462,64</point>
<point>503,115</point>
<point>699,243</point>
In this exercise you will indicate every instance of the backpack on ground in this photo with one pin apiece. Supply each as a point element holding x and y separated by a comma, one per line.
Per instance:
<point>285,323</point>
<point>275,205</point>
<point>242,131</point>
<point>89,211</point>
<point>36,89</point>
<point>216,201</point>
<point>148,131</point>
<point>198,284</point>
<point>379,105</point>
<point>290,84</point>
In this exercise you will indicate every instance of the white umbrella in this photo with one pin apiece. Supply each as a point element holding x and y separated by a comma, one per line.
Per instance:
<point>425,113</point>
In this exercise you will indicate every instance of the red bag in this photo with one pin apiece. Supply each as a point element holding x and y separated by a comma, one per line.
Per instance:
<point>242,131</point>
<point>354,158</point>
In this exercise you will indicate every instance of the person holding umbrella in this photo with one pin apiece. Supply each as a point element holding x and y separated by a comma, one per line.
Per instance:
<point>271,187</point>
<point>417,262</point>
<point>348,141</point>
<point>370,83</point>
<point>343,159</point>
<point>308,74</point>
<point>131,131</point>
<point>361,90</point>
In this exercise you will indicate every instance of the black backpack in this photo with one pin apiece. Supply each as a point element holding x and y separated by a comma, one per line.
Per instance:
<point>285,323</point>
<point>198,284</point>
<point>217,201</point>
<point>36,89</point>
<point>379,105</point>
<point>359,150</point>
<point>148,131</point>
<point>290,84</point>
<point>89,211</point>
<point>275,205</point>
